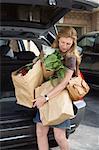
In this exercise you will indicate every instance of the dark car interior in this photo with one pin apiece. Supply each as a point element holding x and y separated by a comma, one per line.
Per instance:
<point>9,64</point>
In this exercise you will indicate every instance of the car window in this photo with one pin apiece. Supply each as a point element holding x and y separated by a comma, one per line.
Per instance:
<point>10,46</point>
<point>87,42</point>
<point>30,46</point>
<point>90,53</point>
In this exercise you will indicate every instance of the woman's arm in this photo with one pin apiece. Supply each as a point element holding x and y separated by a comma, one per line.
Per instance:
<point>41,100</point>
<point>61,85</point>
<point>70,63</point>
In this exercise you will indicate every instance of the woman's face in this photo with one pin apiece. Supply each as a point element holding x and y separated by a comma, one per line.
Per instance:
<point>65,44</point>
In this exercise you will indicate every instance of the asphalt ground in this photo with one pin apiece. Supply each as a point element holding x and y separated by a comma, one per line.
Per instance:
<point>86,136</point>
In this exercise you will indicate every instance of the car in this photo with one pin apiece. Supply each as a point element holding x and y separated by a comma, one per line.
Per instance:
<point>89,44</point>
<point>24,27</point>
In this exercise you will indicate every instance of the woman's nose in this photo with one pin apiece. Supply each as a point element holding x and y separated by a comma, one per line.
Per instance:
<point>65,45</point>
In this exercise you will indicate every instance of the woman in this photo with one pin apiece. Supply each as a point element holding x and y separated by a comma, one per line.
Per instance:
<point>66,41</point>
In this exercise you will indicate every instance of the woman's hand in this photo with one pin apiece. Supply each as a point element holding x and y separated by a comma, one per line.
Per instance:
<point>39,102</point>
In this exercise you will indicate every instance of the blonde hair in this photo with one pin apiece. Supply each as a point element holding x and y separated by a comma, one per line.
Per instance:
<point>68,32</point>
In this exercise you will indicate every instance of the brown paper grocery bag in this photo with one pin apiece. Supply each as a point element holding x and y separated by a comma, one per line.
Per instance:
<point>25,85</point>
<point>57,109</point>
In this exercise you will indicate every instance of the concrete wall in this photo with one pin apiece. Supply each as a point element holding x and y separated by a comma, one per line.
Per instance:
<point>95,20</point>
<point>87,20</point>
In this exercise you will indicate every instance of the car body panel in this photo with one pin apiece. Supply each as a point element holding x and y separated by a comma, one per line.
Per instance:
<point>85,4</point>
<point>90,58</point>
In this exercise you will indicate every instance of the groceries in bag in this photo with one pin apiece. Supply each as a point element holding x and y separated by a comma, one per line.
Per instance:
<point>25,80</point>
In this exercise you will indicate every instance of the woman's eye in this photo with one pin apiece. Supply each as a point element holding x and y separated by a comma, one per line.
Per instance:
<point>68,44</point>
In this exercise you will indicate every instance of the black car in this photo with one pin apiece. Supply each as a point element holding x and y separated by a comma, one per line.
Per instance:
<point>24,27</point>
<point>89,44</point>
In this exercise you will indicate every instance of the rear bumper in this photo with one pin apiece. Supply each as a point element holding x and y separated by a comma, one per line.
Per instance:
<point>80,106</point>
<point>17,130</point>
<point>79,110</point>
<point>21,137</point>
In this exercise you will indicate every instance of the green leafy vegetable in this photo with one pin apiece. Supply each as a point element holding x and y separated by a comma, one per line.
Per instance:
<point>53,62</point>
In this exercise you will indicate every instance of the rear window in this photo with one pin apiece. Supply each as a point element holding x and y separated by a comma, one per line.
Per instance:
<point>89,44</point>
<point>87,41</point>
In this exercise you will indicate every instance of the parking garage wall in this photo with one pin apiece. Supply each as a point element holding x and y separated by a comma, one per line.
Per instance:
<point>85,20</point>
